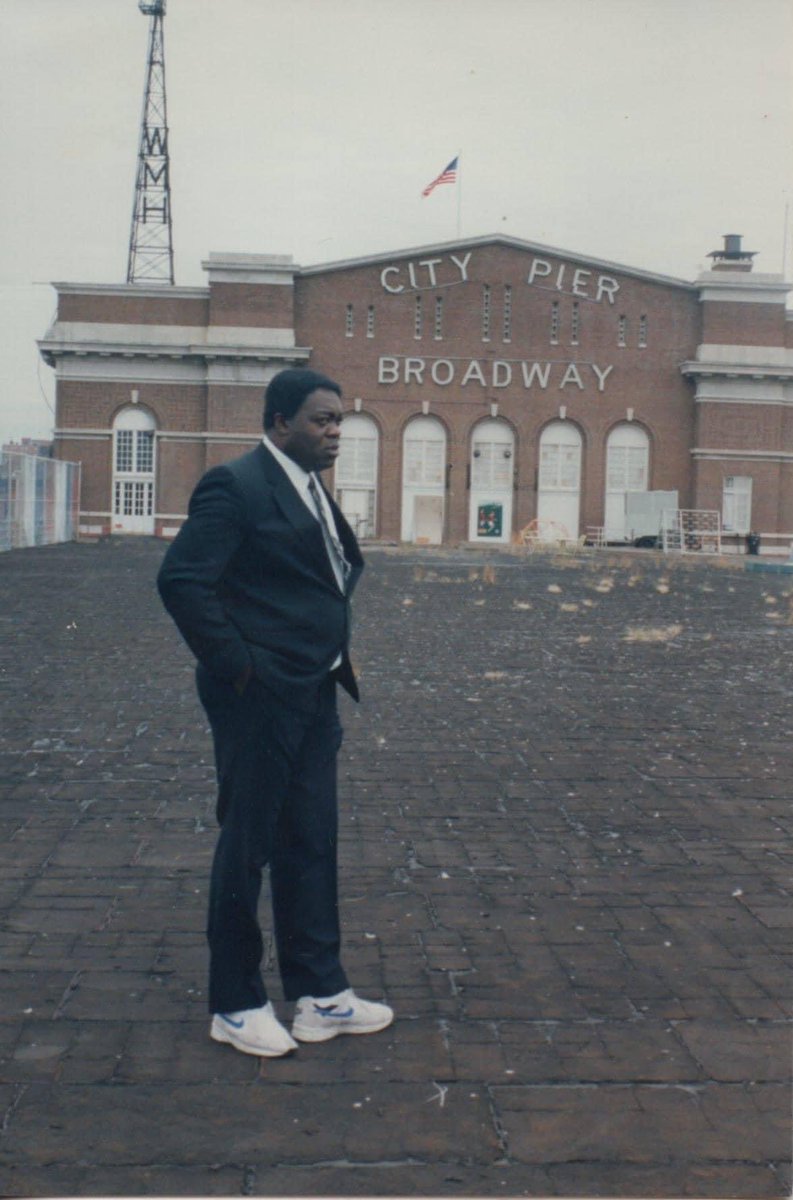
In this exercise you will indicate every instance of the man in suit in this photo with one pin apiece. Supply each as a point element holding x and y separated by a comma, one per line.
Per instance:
<point>258,581</point>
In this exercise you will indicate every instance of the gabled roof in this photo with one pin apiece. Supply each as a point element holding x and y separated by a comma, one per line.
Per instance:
<point>496,239</point>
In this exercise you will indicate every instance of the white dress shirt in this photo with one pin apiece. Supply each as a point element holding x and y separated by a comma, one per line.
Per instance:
<point>300,480</point>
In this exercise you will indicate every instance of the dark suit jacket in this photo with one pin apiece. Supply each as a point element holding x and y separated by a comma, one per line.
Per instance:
<point>249,583</point>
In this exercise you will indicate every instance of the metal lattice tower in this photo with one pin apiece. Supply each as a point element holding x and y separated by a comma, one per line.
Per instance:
<point>151,237</point>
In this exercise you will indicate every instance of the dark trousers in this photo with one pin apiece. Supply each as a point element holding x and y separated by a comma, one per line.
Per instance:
<point>276,769</point>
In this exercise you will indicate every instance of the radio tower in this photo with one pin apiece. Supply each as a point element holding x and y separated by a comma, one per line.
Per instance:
<point>151,239</point>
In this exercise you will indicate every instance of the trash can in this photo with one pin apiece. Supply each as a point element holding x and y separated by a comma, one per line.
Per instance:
<point>753,543</point>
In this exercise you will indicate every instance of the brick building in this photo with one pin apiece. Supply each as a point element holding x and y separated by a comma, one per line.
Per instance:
<point>488,382</point>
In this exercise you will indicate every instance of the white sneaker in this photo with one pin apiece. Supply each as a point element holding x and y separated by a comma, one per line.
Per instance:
<point>317,1019</point>
<point>253,1031</point>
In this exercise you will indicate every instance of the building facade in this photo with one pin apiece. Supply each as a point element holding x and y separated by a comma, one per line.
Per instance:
<point>490,384</point>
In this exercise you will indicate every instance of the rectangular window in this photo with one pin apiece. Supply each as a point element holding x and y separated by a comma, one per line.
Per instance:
<point>622,331</point>
<point>486,311</point>
<point>492,465</point>
<point>370,321</point>
<point>144,451</point>
<point>559,467</point>
<point>626,468</point>
<point>575,324</point>
<point>555,323</point>
<point>357,461</point>
<point>418,318</point>
<point>348,324</point>
<point>736,512</point>
<point>643,330</point>
<point>507,313</point>
<point>124,449</point>
<point>424,462</point>
<point>438,318</point>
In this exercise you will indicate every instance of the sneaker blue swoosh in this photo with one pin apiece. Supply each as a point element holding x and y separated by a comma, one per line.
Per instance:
<point>228,1020</point>
<point>331,1012</point>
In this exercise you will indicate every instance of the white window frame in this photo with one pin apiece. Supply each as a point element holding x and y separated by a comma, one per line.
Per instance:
<point>736,504</point>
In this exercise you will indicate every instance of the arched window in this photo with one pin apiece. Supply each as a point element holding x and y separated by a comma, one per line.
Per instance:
<point>627,470</point>
<point>356,473</point>
<point>423,480</point>
<point>559,482</point>
<point>133,471</point>
<point>492,469</point>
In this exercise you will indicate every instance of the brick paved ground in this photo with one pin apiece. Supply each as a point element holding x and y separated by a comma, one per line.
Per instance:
<point>566,843</point>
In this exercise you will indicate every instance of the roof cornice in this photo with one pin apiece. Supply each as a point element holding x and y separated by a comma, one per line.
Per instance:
<point>494,240</point>
<point>149,292</point>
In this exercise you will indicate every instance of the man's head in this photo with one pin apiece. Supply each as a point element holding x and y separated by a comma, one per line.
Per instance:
<point>302,417</point>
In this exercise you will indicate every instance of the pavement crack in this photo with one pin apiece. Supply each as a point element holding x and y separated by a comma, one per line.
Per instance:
<point>16,1100</point>
<point>71,988</point>
<point>108,916</point>
<point>498,1126</point>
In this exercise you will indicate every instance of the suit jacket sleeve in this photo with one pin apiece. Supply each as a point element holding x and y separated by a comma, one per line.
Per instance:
<point>192,569</point>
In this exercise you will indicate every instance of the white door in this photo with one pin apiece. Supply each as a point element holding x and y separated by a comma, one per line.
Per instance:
<point>490,506</point>
<point>356,473</point>
<point>423,481</point>
<point>627,470</point>
<point>133,472</point>
<point>559,482</point>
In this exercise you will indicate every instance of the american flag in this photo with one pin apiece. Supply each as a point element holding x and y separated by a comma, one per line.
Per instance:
<point>447,175</point>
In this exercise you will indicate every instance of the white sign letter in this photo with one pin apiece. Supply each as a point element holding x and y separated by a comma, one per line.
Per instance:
<point>414,369</point>
<point>532,371</point>
<point>387,286</point>
<point>448,368</point>
<point>571,375</point>
<point>539,268</point>
<point>388,370</point>
<point>602,375</point>
<point>579,282</point>
<point>474,372</point>
<point>430,264</point>
<point>462,264</point>
<point>608,286</point>
<point>502,373</point>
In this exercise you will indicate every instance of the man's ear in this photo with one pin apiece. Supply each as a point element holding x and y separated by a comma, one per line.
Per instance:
<point>280,423</point>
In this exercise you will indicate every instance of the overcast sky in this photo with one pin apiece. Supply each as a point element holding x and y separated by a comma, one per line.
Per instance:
<point>637,131</point>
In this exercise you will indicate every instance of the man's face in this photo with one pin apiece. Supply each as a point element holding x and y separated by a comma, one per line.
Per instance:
<point>311,436</point>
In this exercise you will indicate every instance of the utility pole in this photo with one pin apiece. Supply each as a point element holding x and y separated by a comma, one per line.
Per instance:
<point>151,237</point>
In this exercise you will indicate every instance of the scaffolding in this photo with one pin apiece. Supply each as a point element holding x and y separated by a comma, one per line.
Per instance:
<point>39,500</point>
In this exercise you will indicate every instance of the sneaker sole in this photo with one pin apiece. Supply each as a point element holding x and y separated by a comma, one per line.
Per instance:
<point>247,1047</point>
<point>325,1032</point>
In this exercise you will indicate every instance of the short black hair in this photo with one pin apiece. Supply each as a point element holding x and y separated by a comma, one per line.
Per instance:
<point>287,391</point>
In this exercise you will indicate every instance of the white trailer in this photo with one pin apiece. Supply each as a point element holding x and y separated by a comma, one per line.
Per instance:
<point>644,514</point>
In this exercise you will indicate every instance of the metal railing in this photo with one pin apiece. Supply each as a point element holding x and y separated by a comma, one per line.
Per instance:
<point>39,500</point>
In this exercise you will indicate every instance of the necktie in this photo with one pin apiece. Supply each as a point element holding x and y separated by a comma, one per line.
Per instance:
<point>335,549</point>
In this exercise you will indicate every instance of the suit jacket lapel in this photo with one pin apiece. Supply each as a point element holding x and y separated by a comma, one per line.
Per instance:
<point>296,512</point>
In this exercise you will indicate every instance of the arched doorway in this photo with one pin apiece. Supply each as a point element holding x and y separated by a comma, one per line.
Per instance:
<point>559,482</point>
<point>492,466</point>
<point>356,473</point>
<point>133,471</point>
<point>627,470</point>
<point>423,481</point>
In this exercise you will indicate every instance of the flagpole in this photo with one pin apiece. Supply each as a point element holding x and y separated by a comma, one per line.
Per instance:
<point>459,192</point>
